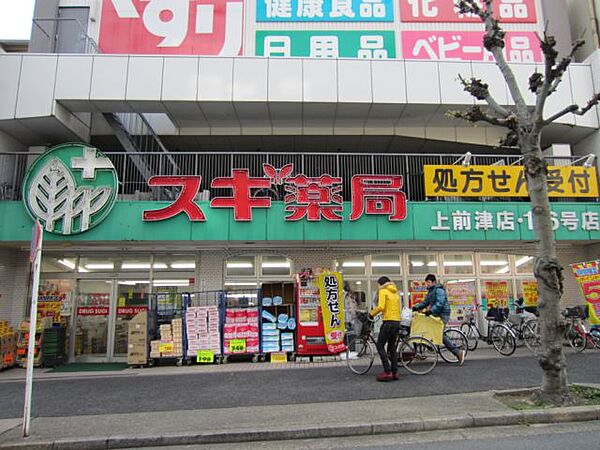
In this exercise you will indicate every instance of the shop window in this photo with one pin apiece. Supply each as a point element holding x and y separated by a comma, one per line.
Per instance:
<point>386,265</point>
<point>275,266</point>
<point>132,298</point>
<point>422,264</point>
<point>359,290</point>
<point>457,264</point>
<point>55,264</point>
<point>351,266</point>
<point>524,264</point>
<point>240,266</point>
<point>98,264</point>
<point>174,263</point>
<point>462,297</point>
<point>527,295</point>
<point>493,264</point>
<point>416,291</point>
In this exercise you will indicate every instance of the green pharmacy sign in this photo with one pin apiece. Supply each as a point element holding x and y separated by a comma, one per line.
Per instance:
<point>70,189</point>
<point>362,44</point>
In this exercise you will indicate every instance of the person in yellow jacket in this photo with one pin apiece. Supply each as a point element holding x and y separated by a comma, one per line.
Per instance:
<point>388,303</point>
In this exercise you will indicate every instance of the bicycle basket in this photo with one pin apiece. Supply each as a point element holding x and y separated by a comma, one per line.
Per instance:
<point>574,313</point>
<point>366,325</point>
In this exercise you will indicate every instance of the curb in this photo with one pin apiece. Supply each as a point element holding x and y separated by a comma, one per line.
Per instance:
<point>553,415</point>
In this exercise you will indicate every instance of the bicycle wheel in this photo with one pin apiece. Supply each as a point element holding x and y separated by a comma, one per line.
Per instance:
<point>359,354</point>
<point>531,335</point>
<point>470,332</point>
<point>595,335</point>
<point>459,340</point>
<point>578,342</point>
<point>417,355</point>
<point>503,340</point>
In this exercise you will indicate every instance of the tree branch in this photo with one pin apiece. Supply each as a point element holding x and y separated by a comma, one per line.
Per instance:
<point>476,114</point>
<point>480,91</point>
<point>573,109</point>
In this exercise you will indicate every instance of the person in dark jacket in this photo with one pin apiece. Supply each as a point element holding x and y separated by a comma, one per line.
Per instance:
<point>437,301</point>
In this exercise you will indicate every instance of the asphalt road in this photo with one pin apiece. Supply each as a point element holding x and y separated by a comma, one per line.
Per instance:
<point>124,394</point>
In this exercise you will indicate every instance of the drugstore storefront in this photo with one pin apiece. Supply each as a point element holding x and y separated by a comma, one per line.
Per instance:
<point>103,258</point>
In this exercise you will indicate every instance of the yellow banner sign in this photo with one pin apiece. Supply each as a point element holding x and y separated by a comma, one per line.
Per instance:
<point>496,293</point>
<point>588,276</point>
<point>332,310</point>
<point>507,181</point>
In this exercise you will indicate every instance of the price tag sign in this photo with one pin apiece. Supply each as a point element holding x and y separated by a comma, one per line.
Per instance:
<point>237,346</point>
<point>205,356</point>
<point>166,348</point>
<point>278,358</point>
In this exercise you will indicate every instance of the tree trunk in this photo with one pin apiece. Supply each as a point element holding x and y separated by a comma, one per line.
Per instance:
<point>548,273</point>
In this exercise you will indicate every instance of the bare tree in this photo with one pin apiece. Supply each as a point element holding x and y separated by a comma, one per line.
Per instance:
<point>525,124</point>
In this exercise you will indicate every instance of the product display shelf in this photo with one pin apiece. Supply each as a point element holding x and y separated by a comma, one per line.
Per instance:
<point>278,320</point>
<point>8,345</point>
<point>204,317</point>
<point>167,327</point>
<point>241,327</point>
<point>23,342</point>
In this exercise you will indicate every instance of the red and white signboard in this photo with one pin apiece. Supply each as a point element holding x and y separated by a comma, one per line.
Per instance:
<point>130,310</point>
<point>185,27</point>
<point>508,11</point>
<point>92,311</point>
<point>468,46</point>
<point>309,198</point>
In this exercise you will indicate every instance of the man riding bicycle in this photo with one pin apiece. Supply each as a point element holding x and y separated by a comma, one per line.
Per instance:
<point>437,300</point>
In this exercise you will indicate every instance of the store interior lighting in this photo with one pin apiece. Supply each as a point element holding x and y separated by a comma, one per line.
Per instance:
<point>240,265</point>
<point>523,260</point>
<point>353,264</point>
<point>240,283</point>
<point>68,264</point>
<point>458,263</point>
<point>432,264</point>
<point>386,264</point>
<point>493,263</point>
<point>183,265</point>
<point>417,263</point>
<point>171,283</point>
<point>100,266</point>
<point>237,295</point>
<point>142,266</point>
<point>504,269</point>
<point>466,280</point>
<point>276,265</point>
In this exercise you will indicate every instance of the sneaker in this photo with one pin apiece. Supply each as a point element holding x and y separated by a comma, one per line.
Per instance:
<point>385,376</point>
<point>395,376</point>
<point>461,357</point>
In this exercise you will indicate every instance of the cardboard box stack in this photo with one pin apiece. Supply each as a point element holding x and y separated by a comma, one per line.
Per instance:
<point>23,341</point>
<point>241,323</point>
<point>170,343</point>
<point>202,323</point>
<point>8,345</point>
<point>137,339</point>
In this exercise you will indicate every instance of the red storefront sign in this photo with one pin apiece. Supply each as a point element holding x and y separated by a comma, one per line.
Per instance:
<point>189,27</point>
<point>310,198</point>
<point>508,11</point>
<point>130,310</point>
<point>92,311</point>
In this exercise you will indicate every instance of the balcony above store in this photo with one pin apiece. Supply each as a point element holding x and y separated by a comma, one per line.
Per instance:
<point>360,105</point>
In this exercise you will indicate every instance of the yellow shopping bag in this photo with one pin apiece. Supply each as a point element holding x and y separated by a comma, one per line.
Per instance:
<point>428,327</point>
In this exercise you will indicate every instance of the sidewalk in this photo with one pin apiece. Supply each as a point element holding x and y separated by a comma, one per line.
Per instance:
<point>278,422</point>
<point>18,374</point>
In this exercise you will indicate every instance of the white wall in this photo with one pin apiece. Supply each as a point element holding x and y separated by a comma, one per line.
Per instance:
<point>14,281</point>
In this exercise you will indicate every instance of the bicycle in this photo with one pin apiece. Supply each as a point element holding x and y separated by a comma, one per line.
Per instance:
<point>499,335</point>
<point>525,330</point>
<point>417,355</point>
<point>576,333</point>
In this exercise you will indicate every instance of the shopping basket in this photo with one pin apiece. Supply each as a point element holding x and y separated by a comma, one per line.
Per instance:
<point>428,327</point>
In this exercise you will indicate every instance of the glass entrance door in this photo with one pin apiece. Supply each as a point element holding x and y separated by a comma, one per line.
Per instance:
<point>92,323</point>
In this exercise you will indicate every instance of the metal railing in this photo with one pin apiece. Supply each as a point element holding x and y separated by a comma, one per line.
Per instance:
<point>51,28</point>
<point>133,179</point>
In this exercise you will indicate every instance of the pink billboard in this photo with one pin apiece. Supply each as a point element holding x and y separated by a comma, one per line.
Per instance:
<point>467,46</point>
<point>184,27</point>
<point>508,11</point>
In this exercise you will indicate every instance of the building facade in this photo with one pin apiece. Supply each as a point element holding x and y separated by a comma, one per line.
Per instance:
<point>285,135</point>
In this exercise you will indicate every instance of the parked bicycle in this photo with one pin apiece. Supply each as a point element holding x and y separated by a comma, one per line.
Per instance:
<point>499,335</point>
<point>576,333</point>
<point>525,330</point>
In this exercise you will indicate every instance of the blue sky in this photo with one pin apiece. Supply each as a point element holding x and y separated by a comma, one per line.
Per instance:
<point>15,19</point>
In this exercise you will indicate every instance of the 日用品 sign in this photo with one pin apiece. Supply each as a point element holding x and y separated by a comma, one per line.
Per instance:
<point>506,181</point>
